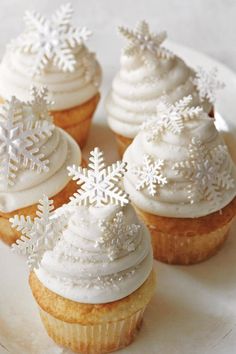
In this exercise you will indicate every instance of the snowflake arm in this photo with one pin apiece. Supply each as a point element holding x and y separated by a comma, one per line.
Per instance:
<point>99,185</point>
<point>40,234</point>
<point>207,84</point>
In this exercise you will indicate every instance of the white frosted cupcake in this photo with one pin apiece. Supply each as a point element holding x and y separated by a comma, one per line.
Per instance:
<point>182,182</point>
<point>34,155</point>
<point>52,52</point>
<point>148,71</point>
<point>92,273</point>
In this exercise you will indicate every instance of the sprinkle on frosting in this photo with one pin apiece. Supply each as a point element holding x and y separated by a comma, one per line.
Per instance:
<point>117,235</point>
<point>99,185</point>
<point>143,42</point>
<point>171,117</point>
<point>150,175</point>
<point>19,132</point>
<point>207,84</point>
<point>52,40</point>
<point>208,180</point>
<point>38,235</point>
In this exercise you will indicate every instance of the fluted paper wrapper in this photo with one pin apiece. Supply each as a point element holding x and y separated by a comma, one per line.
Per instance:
<point>184,249</point>
<point>93,339</point>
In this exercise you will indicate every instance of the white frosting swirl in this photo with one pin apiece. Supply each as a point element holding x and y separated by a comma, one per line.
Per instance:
<point>137,88</point>
<point>172,199</point>
<point>66,89</point>
<point>61,150</point>
<point>79,270</point>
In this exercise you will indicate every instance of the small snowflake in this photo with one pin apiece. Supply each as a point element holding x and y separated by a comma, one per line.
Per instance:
<point>143,42</point>
<point>40,104</point>
<point>170,117</point>
<point>208,180</point>
<point>207,84</point>
<point>99,185</point>
<point>150,175</point>
<point>117,236</point>
<point>91,75</point>
<point>18,136</point>
<point>53,41</point>
<point>40,234</point>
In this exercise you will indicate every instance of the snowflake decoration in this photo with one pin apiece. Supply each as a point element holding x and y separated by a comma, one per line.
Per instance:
<point>40,103</point>
<point>143,42</point>
<point>52,41</point>
<point>99,185</point>
<point>204,171</point>
<point>38,235</point>
<point>117,236</point>
<point>18,136</point>
<point>207,84</point>
<point>91,76</point>
<point>150,175</point>
<point>171,117</point>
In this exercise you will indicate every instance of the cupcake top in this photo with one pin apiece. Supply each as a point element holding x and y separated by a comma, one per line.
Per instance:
<point>148,70</point>
<point>179,165</point>
<point>100,251</point>
<point>33,153</point>
<point>51,52</point>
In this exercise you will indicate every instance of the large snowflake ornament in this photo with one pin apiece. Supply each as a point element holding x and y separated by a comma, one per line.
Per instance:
<point>170,117</point>
<point>150,175</point>
<point>18,138</point>
<point>207,84</point>
<point>38,235</point>
<point>117,236</point>
<point>143,42</point>
<point>99,185</point>
<point>52,41</point>
<point>208,178</point>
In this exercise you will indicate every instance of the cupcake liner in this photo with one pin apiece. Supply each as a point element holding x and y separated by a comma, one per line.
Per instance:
<point>184,248</point>
<point>76,121</point>
<point>94,339</point>
<point>122,143</point>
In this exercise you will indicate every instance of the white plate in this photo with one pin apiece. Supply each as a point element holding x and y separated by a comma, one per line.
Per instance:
<point>194,308</point>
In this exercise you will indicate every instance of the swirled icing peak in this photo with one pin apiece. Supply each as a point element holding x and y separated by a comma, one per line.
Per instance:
<point>99,185</point>
<point>33,152</point>
<point>179,165</point>
<point>149,71</point>
<point>52,41</point>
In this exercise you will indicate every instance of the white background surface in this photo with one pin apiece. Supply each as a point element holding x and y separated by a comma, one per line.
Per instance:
<point>193,311</point>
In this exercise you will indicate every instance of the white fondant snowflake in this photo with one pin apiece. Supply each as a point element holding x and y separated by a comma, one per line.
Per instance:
<point>150,175</point>
<point>40,103</point>
<point>117,236</point>
<point>143,42</point>
<point>53,41</point>
<point>170,117</point>
<point>99,185</point>
<point>204,168</point>
<point>207,84</point>
<point>18,136</point>
<point>38,235</point>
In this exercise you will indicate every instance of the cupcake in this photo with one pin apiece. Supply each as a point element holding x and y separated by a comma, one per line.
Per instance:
<point>148,71</point>
<point>91,273</point>
<point>52,52</point>
<point>34,155</point>
<point>182,182</point>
